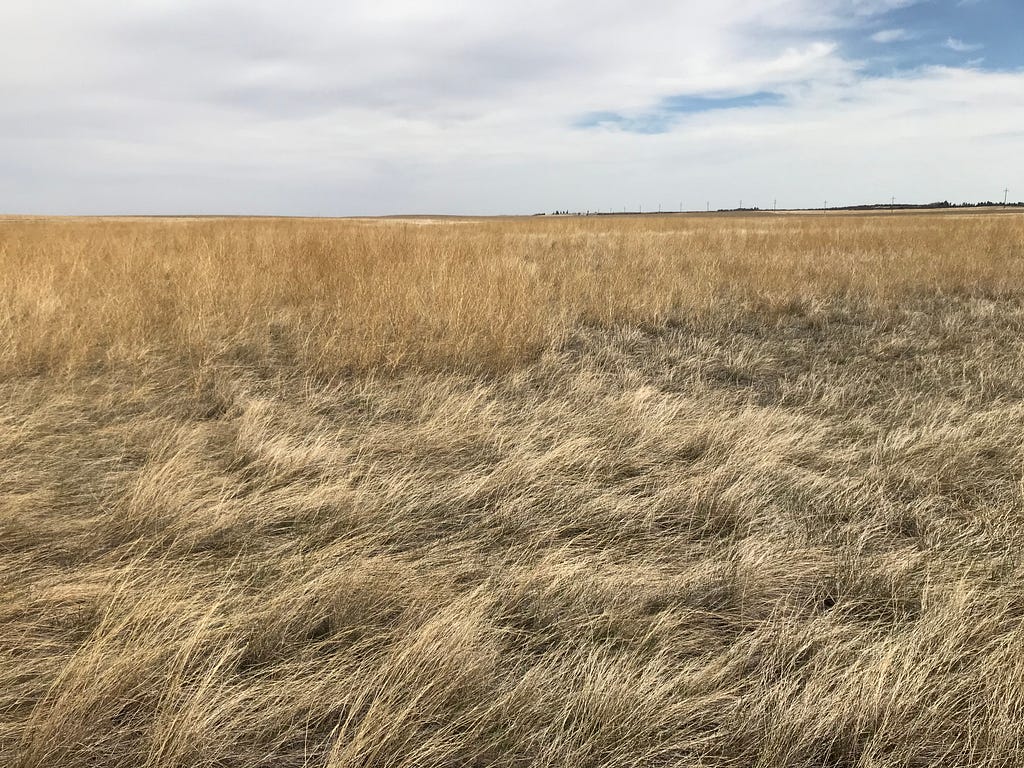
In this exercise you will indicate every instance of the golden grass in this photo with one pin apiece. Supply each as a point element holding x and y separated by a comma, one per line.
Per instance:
<point>706,491</point>
<point>334,296</point>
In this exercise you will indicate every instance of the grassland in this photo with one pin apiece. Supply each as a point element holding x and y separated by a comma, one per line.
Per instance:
<point>661,491</point>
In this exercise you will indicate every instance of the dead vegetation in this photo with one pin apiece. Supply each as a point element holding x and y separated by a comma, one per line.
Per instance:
<point>615,492</point>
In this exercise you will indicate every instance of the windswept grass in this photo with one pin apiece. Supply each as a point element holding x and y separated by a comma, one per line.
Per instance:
<point>577,492</point>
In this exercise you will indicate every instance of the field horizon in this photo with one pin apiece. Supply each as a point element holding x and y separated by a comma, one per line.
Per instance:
<point>666,490</point>
<point>972,209</point>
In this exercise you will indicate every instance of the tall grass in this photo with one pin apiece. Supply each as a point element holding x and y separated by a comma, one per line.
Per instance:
<point>338,296</point>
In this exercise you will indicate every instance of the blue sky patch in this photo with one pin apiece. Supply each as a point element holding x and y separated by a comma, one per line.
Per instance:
<point>667,112</point>
<point>976,34</point>
<point>986,34</point>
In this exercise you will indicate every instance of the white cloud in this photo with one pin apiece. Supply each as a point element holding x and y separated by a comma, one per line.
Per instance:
<point>377,106</point>
<point>891,36</point>
<point>874,7</point>
<point>960,46</point>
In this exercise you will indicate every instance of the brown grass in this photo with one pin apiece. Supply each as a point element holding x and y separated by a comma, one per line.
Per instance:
<point>738,491</point>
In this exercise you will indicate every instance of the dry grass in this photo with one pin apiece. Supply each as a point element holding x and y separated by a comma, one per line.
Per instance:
<point>574,492</point>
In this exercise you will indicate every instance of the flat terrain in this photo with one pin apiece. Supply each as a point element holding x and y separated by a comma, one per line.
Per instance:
<point>659,491</point>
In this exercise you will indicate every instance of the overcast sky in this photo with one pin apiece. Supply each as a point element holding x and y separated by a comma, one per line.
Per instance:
<point>352,107</point>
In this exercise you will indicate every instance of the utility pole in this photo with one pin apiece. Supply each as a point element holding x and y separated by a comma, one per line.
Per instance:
<point>892,204</point>
<point>775,205</point>
<point>709,206</point>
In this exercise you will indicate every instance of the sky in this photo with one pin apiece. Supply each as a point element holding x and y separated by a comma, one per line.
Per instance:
<point>368,107</point>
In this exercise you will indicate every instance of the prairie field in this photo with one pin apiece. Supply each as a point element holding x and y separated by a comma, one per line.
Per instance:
<point>575,491</point>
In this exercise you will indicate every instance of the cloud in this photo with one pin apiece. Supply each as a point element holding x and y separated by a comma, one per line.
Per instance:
<point>960,46</point>
<point>892,36</point>
<point>877,7</point>
<point>379,106</point>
